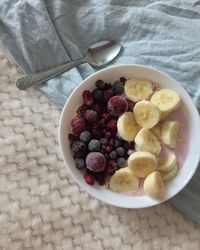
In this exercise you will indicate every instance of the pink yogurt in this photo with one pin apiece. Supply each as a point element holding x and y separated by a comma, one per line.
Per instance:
<point>180,150</point>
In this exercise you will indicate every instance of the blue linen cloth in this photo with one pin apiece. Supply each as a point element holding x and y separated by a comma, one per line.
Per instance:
<point>163,34</point>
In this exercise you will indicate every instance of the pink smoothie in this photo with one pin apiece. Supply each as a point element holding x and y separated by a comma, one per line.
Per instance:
<point>181,146</point>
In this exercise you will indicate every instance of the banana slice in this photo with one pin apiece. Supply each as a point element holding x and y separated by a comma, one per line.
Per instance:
<point>157,130</point>
<point>127,126</point>
<point>169,133</point>
<point>147,141</point>
<point>154,186</point>
<point>171,174</point>
<point>146,114</point>
<point>138,89</point>
<point>123,180</point>
<point>142,163</point>
<point>168,164</point>
<point>167,100</point>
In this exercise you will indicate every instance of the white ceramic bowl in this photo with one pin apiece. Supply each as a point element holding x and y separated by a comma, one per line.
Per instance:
<point>109,75</point>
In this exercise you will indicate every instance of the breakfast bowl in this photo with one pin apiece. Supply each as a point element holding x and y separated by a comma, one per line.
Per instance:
<point>189,154</point>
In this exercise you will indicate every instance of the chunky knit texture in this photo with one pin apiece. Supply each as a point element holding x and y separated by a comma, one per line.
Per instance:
<point>41,207</point>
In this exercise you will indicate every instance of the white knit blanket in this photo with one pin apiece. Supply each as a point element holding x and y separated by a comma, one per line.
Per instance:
<point>41,207</point>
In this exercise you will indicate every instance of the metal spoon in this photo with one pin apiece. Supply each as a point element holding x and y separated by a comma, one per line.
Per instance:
<point>99,54</point>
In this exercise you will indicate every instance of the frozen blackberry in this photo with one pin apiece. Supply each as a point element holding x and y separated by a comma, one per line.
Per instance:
<point>118,87</point>
<point>113,155</point>
<point>94,145</point>
<point>85,136</point>
<point>120,151</point>
<point>80,163</point>
<point>97,94</point>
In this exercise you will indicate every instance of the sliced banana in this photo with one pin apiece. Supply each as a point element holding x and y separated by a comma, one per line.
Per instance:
<point>167,100</point>
<point>168,164</point>
<point>127,126</point>
<point>146,114</point>
<point>154,186</point>
<point>123,180</point>
<point>171,174</point>
<point>142,163</point>
<point>169,133</point>
<point>147,141</point>
<point>138,89</point>
<point>157,130</point>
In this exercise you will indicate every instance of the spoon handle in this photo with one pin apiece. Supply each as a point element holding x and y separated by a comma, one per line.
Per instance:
<point>42,76</point>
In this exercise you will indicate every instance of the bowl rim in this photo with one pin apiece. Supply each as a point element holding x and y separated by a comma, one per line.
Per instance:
<point>84,187</point>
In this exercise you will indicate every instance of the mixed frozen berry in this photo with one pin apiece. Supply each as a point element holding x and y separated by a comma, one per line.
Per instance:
<point>97,148</point>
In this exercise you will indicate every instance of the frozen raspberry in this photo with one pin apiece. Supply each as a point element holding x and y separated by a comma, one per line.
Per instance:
<point>81,110</point>
<point>97,133</point>
<point>96,107</point>
<point>79,148</point>
<point>78,125</point>
<point>101,122</point>
<point>112,124</point>
<point>90,116</point>
<point>117,105</point>
<point>96,162</point>
<point>112,166</point>
<point>130,105</point>
<point>89,179</point>
<point>111,142</point>
<point>118,87</point>
<point>85,136</point>
<point>108,134</point>
<point>108,149</point>
<point>107,95</point>
<point>100,84</point>
<point>87,98</point>
<point>72,138</point>
<point>106,116</point>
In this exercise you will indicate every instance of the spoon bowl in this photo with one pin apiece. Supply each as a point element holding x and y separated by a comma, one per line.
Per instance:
<point>102,53</point>
<point>98,55</point>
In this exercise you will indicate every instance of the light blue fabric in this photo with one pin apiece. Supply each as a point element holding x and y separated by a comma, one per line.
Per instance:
<point>162,34</point>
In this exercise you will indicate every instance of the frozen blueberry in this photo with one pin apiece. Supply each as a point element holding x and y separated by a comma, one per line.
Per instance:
<point>117,143</point>
<point>121,162</point>
<point>118,87</point>
<point>113,155</point>
<point>79,148</point>
<point>120,151</point>
<point>104,141</point>
<point>94,145</point>
<point>97,94</point>
<point>85,136</point>
<point>80,163</point>
<point>100,84</point>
